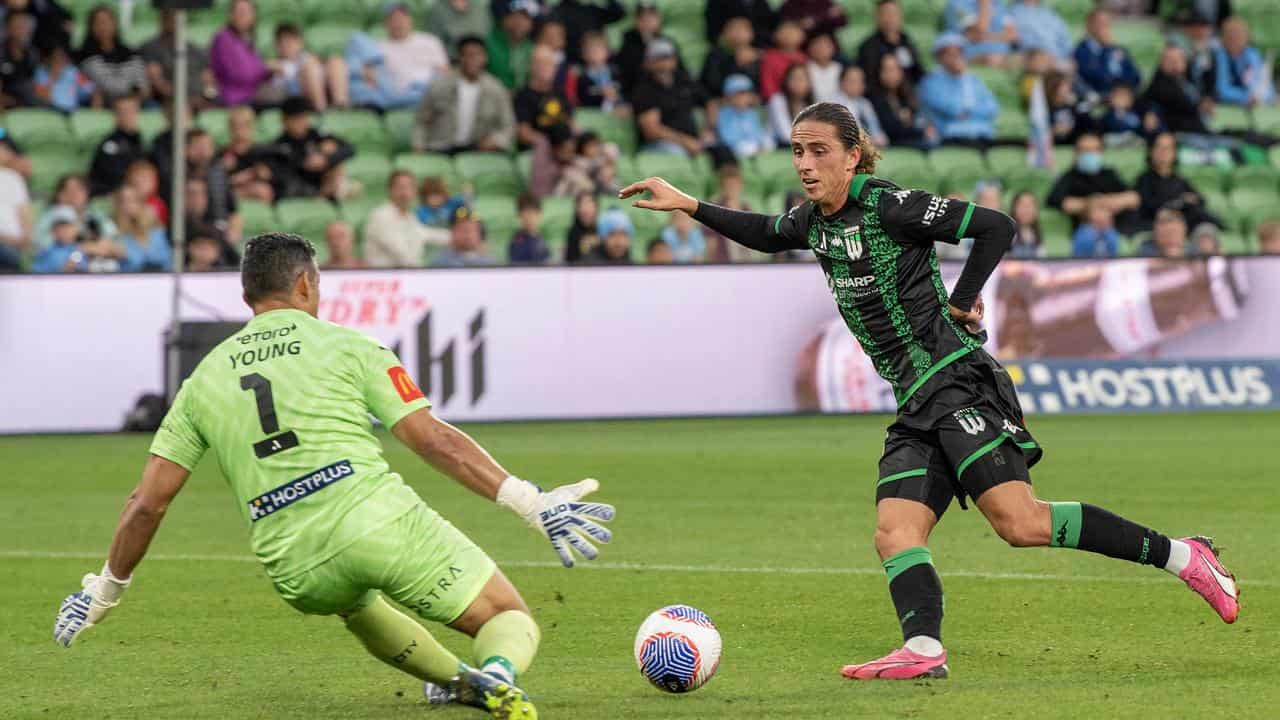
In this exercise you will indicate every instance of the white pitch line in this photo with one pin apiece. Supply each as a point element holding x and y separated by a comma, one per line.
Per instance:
<point>657,567</point>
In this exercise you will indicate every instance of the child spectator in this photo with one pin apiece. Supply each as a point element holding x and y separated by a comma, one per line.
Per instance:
<point>1168,236</point>
<point>1269,237</point>
<point>738,124</point>
<point>796,95</point>
<point>204,250</point>
<point>1096,236</point>
<point>720,248</point>
<point>298,73</point>
<point>582,237</point>
<point>735,54</point>
<point>852,94</point>
<point>658,252</point>
<point>598,162</point>
<point>61,85</point>
<point>341,240</point>
<point>788,39</point>
<point>437,206</point>
<point>1204,240</point>
<point>527,245</point>
<point>1028,240</point>
<point>145,240</point>
<point>66,252</point>
<point>615,231</point>
<point>144,178</point>
<point>688,245</point>
<point>1068,116</point>
<point>824,70</point>
<point>598,79</point>
<point>1122,124</point>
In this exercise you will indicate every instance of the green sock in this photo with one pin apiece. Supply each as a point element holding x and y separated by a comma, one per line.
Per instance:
<point>1064,528</point>
<point>399,641</point>
<point>507,643</point>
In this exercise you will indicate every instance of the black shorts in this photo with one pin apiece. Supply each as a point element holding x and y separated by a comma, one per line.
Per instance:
<point>965,439</point>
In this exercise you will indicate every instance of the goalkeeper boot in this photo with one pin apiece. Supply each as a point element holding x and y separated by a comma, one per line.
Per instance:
<point>1213,582</point>
<point>901,664</point>
<point>439,694</point>
<point>501,699</point>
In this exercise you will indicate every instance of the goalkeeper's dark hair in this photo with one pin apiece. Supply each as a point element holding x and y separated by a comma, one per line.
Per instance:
<point>847,129</point>
<point>272,263</point>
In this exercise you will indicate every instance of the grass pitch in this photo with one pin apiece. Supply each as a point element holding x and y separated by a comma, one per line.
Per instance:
<point>763,523</point>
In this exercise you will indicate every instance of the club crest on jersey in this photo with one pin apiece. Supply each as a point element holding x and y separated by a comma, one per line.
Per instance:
<point>848,239</point>
<point>970,420</point>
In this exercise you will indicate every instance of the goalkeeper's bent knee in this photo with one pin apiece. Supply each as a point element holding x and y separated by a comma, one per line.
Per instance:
<point>508,641</point>
<point>399,641</point>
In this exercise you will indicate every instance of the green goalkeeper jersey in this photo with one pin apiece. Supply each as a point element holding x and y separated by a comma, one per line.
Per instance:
<point>284,404</point>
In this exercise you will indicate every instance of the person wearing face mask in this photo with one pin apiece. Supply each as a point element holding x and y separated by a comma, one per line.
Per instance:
<point>1089,180</point>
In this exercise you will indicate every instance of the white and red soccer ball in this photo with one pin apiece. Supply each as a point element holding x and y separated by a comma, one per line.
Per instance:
<point>678,648</point>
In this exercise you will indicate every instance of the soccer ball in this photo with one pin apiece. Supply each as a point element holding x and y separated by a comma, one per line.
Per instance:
<point>678,648</point>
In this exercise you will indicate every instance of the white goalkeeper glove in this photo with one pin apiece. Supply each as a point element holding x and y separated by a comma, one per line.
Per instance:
<point>559,515</point>
<point>88,607</point>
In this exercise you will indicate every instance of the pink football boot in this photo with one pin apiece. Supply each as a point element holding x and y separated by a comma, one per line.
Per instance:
<point>899,665</point>
<point>1210,579</point>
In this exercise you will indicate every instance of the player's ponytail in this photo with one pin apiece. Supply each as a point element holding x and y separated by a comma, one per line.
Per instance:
<point>847,129</point>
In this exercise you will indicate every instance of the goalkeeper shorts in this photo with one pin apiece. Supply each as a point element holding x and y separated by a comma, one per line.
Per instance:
<point>420,560</point>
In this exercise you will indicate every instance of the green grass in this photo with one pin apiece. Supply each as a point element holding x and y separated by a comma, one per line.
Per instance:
<point>1054,633</point>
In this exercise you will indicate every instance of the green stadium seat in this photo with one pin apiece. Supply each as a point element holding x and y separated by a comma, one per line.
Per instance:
<point>1037,180</point>
<point>215,121</point>
<point>90,125</point>
<point>524,166</point>
<point>51,164</point>
<point>1230,117</point>
<point>1128,162</point>
<point>557,212</point>
<point>627,172</point>
<point>1266,119</point>
<point>1219,203</point>
<point>200,30</point>
<point>351,13</point>
<point>1254,176</point>
<point>1006,161</point>
<point>35,129</point>
<point>609,127</point>
<point>1253,202</point>
<point>900,159</point>
<point>325,40</point>
<point>151,123</point>
<point>269,126</point>
<point>1012,122</point>
<point>489,172</point>
<point>258,217</point>
<point>424,165</point>
<point>399,129</point>
<point>278,11</point>
<point>1057,232</point>
<point>1234,243</point>
<point>1204,178</point>
<point>370,168</point>
<point>961,168</point>
<point>141,30</point>
<point>770,172</point>
<point>358,127</point>
<point>1002,83</point>
<point>677,169</point>
<point>495,208</point>
<point>356,210</point>
<point>306,216</point>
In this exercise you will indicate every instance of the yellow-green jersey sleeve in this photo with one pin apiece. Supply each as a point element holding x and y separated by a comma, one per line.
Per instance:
<point>389,391</point>
<point>178,439</point>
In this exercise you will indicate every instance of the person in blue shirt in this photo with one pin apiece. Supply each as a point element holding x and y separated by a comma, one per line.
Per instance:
<point>58,82</point>
<point>684,236</point>
<point>986,26</point>
<point>1241,71</point>
<point>955,100</point>
<point>1097,236</point>
<point>437,206</point>
<point>738,123</point>
<point>1040,28</point>
<point>1100,63</point>
<point>145,240</point>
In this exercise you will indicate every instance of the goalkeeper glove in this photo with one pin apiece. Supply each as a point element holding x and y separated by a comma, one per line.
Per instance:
<point>559,515</point>
<point>88,607</point>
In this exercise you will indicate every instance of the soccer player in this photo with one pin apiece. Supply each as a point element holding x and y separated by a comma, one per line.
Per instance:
<point>284,404</point>
<point>959,430</point>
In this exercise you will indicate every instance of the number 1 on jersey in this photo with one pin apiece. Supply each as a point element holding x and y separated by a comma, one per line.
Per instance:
<point>274,443</point>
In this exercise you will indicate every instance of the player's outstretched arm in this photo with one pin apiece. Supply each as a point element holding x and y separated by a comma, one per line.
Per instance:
<point>764,233</point>
<point>161,481</point>
<point>559,514</point>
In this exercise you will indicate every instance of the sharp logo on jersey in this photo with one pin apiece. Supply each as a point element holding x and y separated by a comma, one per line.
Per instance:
<point>294,490</point>
<point>971,420</point>
<point>937,206</point>
<point>404,384</point>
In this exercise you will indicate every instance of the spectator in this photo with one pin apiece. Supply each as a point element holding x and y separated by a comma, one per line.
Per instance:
<point>1028,240</point>
<point>313,159</point>
<point>734,55</point>
<point>510,44</point>
<point>582,237</point>
<point>18,61</point>
<point>1168,236</point>
<point>988,194</point>
<point>788,40</point>
<point>1089,177</point>
<point>553,169</point>
<point>824,71</point>
<point>580,17</point>
<point>393,235</point>
<point>145,241</point>
<point>15,160</point>
<point>246,163</point>
<point>298,73</point>
<point>599,81</point>
<point>720,248</point>
<point>664,103</point>
<point>1069,116</point>
<point>437,206</point>
<point>796,95</point>
<point>413,59</point>
<point>1036,65</point>
<point>466,243</point>
<point>70,250</point>
<point>658,252</point>
<point>633,57</point>
<point>527,247</point>
<point>1269,237</point>
<point>221,210</point>
<point>456,19</point>
<point>987,29</point>
<point>615,232</point>
<point>551,34</point>
<point>1099,63</point>
<point>816,17</point>
<point>53,23</point>
<point>897,107</point>
<point>465,110</point>
<point>144,179</point>
<point>1180,104</point>
<point>71,202</point>
<point>760,13</point>
<point>117,150</point>
<point>160,54</point>
<point>1041,28</point>
<point>370,82</point>
<point>115,69</point>
<point>956,101</point>
<point>242,75</point>
<point>598,163</point>
<point>15,215</point>
<point>738,124</point>
<point>852,94</point>
<point>1096,236</point>
<point>1242,74</point>
<point>1205,241</point>
<point>889,39</point>
<point>161,152</point>
<point>684,236</point>
<point>204,251</point>
<point>196,210</point>
<point>59,84</point>
<point>1160,186</point>
<point>1122,123</point>
<point>1198,41</point>
<point>341,241</point>
<point>538,105</point>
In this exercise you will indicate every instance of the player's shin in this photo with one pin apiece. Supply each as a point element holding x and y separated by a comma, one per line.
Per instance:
<point>1088,527</point>
<point>505,645</point>
<point>399,641</point>
<point>916,590</point>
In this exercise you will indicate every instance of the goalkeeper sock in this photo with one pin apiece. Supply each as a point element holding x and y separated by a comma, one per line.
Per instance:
<point>399,641</point>
<point>505,645</point>
<point>1088,527</point>
<point>917,596</point>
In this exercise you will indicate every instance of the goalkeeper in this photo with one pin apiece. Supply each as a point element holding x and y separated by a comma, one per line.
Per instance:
<point>284,405</point>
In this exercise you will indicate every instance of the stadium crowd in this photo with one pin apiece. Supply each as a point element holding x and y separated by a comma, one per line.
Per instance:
<point>475,132</point>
